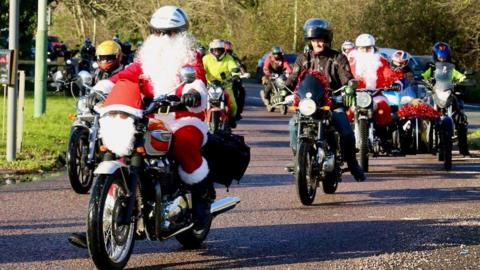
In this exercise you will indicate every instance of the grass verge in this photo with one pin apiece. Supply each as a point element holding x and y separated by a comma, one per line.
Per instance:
<point>44,138</point>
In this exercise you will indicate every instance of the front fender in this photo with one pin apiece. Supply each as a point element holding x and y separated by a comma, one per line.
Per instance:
<point>110,167</point>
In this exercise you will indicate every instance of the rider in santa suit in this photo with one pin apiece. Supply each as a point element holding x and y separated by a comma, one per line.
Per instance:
<point>373,71</point>
<point>156,70</point>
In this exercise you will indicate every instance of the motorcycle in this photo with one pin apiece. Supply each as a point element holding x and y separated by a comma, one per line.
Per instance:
<point>140,195</point>
<point>318,157</point>
<point>217,109</point>
<point>83,146</point>
<point>367,138</point>
<point>67,81</point>
<point>443,96</point>
<point>279,92</point>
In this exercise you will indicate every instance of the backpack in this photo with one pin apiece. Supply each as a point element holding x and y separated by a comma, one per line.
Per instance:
<point>228,157</point>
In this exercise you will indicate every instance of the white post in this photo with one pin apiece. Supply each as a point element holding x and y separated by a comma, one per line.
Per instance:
<point>21,109</point>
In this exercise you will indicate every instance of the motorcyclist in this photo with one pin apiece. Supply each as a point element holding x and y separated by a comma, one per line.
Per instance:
<point>373,71</point>
<point>87,55</point>
<point>218,66</point>
<point>109,55</point>
<point>127,53</point>
<point>237,86</point>
<point>156,71</point>
<point>441,53</point>
<point>347,47</point>
<point>320,57</point>
<point>275,63</point>
<point>399,64</point>
<point>88,50</point>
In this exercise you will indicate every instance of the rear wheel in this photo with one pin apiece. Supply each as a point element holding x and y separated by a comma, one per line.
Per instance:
<point>330,184</point>
<point>304,179</point>
<point>363,130</point>
<point>79,173</point>
<point>110,241</point>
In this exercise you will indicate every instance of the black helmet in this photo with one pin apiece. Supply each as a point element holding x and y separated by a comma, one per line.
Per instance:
<point>318,28</point>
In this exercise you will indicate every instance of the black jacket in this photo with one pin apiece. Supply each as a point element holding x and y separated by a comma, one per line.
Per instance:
<point>333,63</point>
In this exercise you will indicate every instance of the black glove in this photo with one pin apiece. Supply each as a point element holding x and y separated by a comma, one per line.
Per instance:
<point>396,87</point>
<point>191,98</point>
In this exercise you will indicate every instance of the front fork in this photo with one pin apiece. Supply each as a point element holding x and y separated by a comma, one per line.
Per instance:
<point>92,139</point>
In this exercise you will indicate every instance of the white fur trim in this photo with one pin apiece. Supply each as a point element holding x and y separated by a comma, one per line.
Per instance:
<point>123,108</point>
<point>200,87</point>
<point>196,176</point>
<point>175,124</point>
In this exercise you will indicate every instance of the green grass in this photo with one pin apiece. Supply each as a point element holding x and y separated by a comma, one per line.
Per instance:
<point>44,138</point>
<point>474,140</point>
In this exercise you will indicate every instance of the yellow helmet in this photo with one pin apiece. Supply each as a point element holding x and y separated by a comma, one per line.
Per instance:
<point>108,47</point>
<point>108,55</point>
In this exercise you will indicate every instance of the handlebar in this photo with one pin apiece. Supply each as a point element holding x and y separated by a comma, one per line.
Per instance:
<point>162,101</point>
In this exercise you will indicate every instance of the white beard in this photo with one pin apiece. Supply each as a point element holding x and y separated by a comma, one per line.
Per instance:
<point>117,134</point>
<point>162,57</point>
<point>366,66</point>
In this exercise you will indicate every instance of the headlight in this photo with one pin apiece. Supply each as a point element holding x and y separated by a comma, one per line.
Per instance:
<point>307,107</point>
<point>279,82</point>
<point>82,104</point>
<point>215,93</point>
<point>58,76</point>
<point>363,100</point>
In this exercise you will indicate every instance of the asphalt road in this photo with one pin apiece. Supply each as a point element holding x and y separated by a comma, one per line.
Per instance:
<point>409,214</point>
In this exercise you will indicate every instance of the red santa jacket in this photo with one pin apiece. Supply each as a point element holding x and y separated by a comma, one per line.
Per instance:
<point>385,75</point>
<point>276,66</point>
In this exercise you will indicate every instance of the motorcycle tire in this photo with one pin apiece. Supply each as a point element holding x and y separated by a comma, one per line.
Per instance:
<point>270,108</point>
<point>194,237</point>
<point>446,137</point>
<point>107,197</point>
<point>79,175</point>
<point>284,109</point>
<point>305,181</point>
<point>363,130</point>
<point>214,121</point>
<point>330,184</point>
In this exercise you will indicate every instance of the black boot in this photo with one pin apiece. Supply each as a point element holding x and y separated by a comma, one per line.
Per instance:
<point>203,194</point>
<point>462,141</point>
<point>78,240</point>
<point>356,171</point>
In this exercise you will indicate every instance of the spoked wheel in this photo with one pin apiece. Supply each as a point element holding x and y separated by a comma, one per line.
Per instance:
<point>304,179</point>
<point>110,235</point>
<point>79,173</point>
<point>363,130</point>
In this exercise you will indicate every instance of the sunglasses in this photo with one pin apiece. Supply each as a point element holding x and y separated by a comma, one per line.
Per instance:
<point>159,32</point>
<point>106,58</point>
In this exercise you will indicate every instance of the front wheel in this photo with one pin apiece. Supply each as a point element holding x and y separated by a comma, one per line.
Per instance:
<point>304,179</point>
<point>446,143</point>
<point>79,172</point>
<point>363,130</point>
<point>110,241</point>
<point>214,121</point>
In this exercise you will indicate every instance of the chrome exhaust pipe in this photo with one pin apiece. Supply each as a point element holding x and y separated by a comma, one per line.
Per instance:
<point>223,205</point>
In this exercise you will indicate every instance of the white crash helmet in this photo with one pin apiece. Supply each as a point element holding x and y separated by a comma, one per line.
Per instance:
<point>169,18</point>
<point>365,40</point>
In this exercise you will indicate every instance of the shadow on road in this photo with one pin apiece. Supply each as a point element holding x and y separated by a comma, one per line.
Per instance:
<point>259,246</point>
